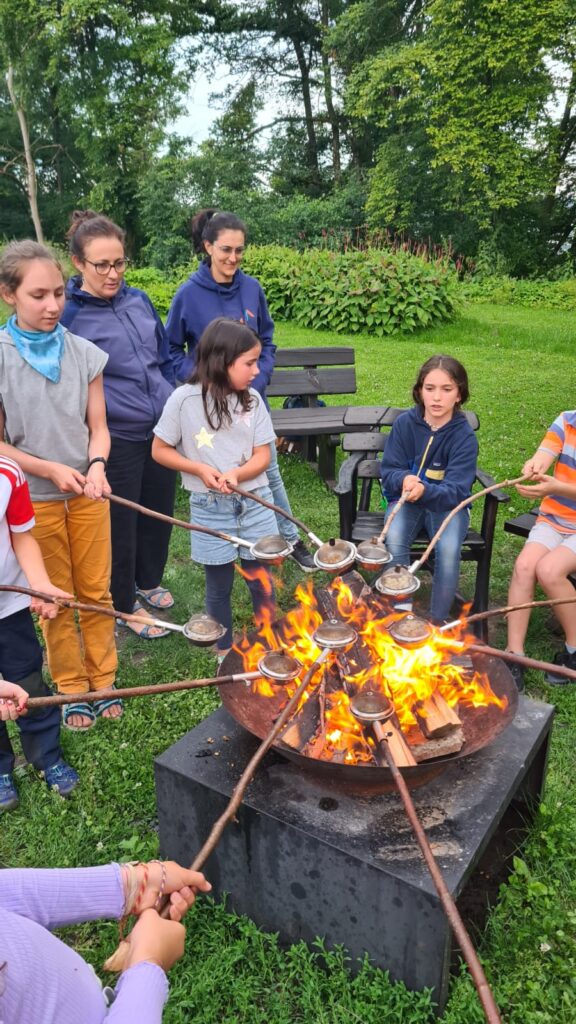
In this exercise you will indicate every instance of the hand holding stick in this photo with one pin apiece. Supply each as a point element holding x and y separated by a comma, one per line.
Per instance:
<point>118,959</point>
<point>463,504</point>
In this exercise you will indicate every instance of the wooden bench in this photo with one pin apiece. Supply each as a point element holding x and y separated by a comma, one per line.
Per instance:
<point>313,373</point>
<point>357,522</point>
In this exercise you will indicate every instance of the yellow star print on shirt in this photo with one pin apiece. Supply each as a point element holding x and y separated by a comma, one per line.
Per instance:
<point>204,439</point>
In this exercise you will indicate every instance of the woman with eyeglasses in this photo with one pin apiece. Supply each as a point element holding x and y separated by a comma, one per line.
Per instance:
<point>138,379</point>
<point>219,288</point>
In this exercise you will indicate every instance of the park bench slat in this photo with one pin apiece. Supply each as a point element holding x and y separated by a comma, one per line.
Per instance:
<point>340,380</point>
<point>319,356</point>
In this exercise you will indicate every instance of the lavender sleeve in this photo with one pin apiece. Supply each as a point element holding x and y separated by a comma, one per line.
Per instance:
<point>59,896</point>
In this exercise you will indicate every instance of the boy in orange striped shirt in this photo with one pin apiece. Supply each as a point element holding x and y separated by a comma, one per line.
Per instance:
<point>549,555</point>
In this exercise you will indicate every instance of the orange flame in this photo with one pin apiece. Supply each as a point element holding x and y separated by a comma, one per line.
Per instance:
<point>407,676</point>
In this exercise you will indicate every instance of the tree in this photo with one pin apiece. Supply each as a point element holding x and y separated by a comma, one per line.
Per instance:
<point>464,99</point>
<point>96,82</point>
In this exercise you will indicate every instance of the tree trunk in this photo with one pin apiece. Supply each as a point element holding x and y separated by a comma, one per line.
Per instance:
<point>329,99</point>
<point>31,186</point>
<point>312,147</point>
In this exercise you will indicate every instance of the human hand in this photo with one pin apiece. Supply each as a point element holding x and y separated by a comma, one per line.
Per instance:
<point>97,487</point>
<point>13,700</point>
<point>66,478</point>
<point>155,940</point>
<point>208,476</point>
<point>537,464</point>
<point>412,487</point>
<point>47,609</point>
<point>230,477</point>
<point>167,878</point>
<point>542,486</point>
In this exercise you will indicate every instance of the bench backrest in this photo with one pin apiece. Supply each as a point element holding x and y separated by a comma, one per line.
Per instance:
<point>321,371</point>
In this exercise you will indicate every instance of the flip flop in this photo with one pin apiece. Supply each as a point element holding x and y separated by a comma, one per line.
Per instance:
<point>78,708</point>
<point>108,702</point>
<point>154,598</point>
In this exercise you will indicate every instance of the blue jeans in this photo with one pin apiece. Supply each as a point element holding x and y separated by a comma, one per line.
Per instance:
<point>21,662</point>
<point>288,530</point>
<point>409,522</point>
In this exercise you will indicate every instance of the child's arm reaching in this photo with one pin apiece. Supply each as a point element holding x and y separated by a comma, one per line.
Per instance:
<point>539,463</point>
<point>257,463</point>
<point>30,559</point>
<point>544,485</point>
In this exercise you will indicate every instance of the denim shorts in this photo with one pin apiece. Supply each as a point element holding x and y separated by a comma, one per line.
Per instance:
<point>231,514</point>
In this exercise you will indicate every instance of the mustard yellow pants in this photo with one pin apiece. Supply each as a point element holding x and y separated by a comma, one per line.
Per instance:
<point>74,536</point>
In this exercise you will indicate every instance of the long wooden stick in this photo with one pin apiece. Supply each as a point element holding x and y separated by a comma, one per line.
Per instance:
<point>463,504</point>
<point>192,527</point>
<point>401,501</point>
<point>521,659</point>
<point>505,610</point>
<point>278,511</point>
<point>138,691</point>
<point>67,602</point>
<point>117,960</point>
<point>456,923</point>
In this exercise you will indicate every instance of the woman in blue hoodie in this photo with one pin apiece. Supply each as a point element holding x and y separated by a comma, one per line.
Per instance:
<point>138,379</point>
<point>220,289</point>
<point>431,454</point>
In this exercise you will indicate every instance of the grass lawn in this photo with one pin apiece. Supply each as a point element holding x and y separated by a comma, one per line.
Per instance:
<point>521,368</point>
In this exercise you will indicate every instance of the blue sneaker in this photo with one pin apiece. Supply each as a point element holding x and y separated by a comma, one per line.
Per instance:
<point>61,777</point>
<point>8,793</point>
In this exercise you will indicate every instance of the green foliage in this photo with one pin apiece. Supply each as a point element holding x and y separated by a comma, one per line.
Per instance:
<point>159,286</point>
<point>374,291</point>
<point>510,291</point>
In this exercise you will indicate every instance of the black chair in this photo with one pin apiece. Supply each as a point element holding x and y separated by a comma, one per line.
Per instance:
<point>357,522</point>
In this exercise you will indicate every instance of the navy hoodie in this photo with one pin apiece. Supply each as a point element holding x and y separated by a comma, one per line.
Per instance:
<point>139,375</point>
<point>201,299</point>
<point>445,459</point>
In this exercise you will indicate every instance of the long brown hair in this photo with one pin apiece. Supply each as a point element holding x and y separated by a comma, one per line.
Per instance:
<point>221,343</point>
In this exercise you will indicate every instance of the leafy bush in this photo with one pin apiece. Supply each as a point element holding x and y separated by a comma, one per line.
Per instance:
<point>508,291</point>
<point>377,292</point>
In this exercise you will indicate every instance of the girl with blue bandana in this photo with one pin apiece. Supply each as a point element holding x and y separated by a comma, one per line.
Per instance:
<point>53,425</point>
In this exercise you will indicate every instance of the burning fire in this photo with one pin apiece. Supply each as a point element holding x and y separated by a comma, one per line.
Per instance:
<point>414,679</point>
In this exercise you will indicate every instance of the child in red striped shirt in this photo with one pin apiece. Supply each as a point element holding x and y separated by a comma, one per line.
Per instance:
<point>549,555</point>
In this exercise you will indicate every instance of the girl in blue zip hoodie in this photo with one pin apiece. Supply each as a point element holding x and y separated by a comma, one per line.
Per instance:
<point>431,454</point>
<point>138,380</point>
<point>220,289</point>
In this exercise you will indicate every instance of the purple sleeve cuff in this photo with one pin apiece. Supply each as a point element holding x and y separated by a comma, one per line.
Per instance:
<point>140,996</point>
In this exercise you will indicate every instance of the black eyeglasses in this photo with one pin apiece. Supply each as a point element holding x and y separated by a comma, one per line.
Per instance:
<point>104,267</point>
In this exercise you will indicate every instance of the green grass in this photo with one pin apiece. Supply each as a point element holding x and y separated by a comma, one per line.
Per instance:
<point>521,374</point>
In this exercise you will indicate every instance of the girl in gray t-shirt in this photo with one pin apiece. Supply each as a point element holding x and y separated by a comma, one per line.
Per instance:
<point>216,430</point>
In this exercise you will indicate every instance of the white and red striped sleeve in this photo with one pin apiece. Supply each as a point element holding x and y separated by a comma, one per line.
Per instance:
<point>18,508</point>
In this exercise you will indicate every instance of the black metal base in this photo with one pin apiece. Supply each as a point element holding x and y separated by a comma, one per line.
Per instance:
<point>308,857</point>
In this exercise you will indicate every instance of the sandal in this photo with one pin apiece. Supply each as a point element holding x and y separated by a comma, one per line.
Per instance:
<point>78,708</point>
<point>154,598</point>
<point>100,706</point>
<point>144,631</point>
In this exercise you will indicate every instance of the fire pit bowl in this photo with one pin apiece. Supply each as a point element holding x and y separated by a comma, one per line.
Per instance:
<point>480,725</point>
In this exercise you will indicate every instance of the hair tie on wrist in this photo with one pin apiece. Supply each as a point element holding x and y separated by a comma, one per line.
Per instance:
<point>158,900</point>
<point>98,458</point>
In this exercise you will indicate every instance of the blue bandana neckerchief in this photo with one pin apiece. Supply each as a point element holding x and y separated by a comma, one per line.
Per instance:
<point>42,350</point>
